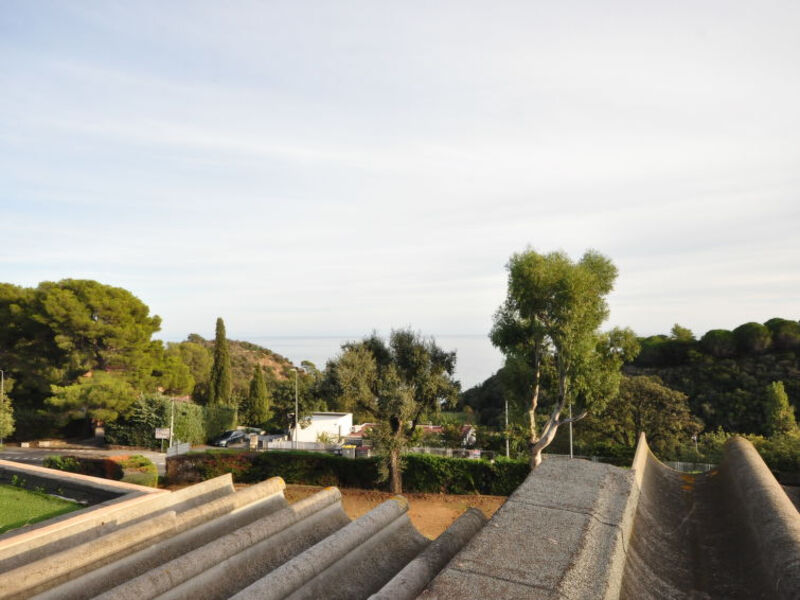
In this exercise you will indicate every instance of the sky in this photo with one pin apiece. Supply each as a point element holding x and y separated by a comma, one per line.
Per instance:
<point>332,168</point>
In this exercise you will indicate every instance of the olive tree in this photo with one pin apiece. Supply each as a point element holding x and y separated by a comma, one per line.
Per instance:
<point>551,318</point>
<point>395,384</point>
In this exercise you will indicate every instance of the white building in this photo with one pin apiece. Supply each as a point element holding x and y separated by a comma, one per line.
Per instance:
<point>334,426</point>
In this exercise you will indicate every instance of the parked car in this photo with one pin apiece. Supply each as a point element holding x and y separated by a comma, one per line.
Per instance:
<point>234,436</point>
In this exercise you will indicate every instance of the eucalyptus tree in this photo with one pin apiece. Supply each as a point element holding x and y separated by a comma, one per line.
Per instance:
<point>395,383</point>
<point>551,318</point>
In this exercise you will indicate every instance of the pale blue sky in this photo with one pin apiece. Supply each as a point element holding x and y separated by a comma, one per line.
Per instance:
<point>329,168</point>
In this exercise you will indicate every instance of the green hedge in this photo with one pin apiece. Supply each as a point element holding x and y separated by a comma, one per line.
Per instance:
<point>422,473</point>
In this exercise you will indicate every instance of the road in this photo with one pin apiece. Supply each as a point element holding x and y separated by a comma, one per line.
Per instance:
<point>35,456</point>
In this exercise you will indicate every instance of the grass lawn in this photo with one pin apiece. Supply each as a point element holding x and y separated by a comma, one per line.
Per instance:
<point>19,507</point>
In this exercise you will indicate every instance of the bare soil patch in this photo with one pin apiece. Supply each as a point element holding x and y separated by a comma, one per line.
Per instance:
<point>431,514</point>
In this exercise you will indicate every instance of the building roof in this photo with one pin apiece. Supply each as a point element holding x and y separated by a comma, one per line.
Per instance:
<point>208,541</point>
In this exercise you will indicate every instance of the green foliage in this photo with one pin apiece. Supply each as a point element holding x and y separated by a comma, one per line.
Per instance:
<point>6,414</point>
<point>96,326</point>
<point>106,468</point>
<point>785,334</point>
<point>395,384</point>
<point>131,469</point>
<point>193,423</point>
<point>255,409</point>
<point>645,404</point>
<point>62,463</point>
<point>681,334</point>
<point>719,343</point>
<point>282,396</point>
<point>425,473</point>
<point>198,359</point>
<point>779,413</point>
<point>220,390</point>
<point>173,375</point>
<point>102,396</point>
<point>138,469</point>
<point>70,338</point>
<point>217,420</point>
<point>725,373</point>
<point>550,321</point>
<point>752,338</point>
<point>436,474</point>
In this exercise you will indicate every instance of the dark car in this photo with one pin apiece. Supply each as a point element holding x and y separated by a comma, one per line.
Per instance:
<point>229,437</point>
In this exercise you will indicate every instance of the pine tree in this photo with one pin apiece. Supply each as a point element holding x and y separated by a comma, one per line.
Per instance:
<point>221,382</point>
<point>256,411</point>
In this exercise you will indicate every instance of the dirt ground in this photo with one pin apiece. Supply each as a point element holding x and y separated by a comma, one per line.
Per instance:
<point>431,514</point>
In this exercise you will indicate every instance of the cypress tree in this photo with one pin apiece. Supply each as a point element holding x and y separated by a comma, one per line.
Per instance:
<point>221,383</point>
<point>257,409</point>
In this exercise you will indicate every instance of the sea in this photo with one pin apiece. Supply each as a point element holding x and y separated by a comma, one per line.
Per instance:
<point>476,358</point>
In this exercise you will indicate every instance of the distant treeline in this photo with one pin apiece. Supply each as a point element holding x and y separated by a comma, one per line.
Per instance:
<point>77,351</point>
<point>678,389</point>
<point>725,373</point>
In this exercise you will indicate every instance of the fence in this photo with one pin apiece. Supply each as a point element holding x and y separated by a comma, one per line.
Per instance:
<point>689,467</point>
<point>179,448</point>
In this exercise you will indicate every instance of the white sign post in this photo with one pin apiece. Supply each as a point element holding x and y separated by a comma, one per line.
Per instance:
<point>163,433</point>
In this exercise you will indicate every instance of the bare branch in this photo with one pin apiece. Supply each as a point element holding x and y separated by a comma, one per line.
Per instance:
<point>571,419</point>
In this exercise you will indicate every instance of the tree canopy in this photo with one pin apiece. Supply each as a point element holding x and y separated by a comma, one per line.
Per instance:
<point>255,410</point>
<point>99,396</point>
<point>551,318</point>
<point>396,383</point>
<point>645,404</point>
<point>220,383</point>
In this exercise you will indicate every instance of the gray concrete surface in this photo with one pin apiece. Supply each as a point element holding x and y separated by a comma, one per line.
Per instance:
<point>413,578</point>
<point>580,530</point>
<point>368,566</point>
<point>248,505</point>
<point>731,533</point>
<point>295,573</point>
<point>557,536</point>
<point>230,562</point>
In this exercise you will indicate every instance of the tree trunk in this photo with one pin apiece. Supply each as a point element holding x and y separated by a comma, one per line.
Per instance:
<point>395,474</point>
<point>534,436</point>
<point>543,442</point>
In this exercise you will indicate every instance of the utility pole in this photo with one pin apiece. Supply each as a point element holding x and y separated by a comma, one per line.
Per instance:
<point>171,422</point>
<point>508,452</point>
<point>296,408</point>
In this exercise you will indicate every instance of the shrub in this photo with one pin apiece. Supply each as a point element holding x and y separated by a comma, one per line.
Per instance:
<point>62,463</point>
<point>422,473</point>
<point>105,468</point>
<point>137,469</point>
<point>193,423</point>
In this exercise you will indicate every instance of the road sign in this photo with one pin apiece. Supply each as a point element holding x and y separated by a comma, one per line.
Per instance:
<point>162,433</point>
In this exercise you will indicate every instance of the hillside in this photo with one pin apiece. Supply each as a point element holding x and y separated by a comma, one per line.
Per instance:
<point>244,357</point>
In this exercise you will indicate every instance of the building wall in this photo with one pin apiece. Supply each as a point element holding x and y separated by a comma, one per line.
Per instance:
<point>332,424</point>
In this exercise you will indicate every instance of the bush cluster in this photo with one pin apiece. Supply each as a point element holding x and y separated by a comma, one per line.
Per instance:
<point>193,423</point>
<point>130,469</point>
<point>421,472</point>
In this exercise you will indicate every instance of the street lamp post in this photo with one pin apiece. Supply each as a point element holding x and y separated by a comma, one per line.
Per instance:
<point>296,408</point>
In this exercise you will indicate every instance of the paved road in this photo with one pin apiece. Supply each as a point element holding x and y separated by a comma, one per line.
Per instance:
<point>35,456</point>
